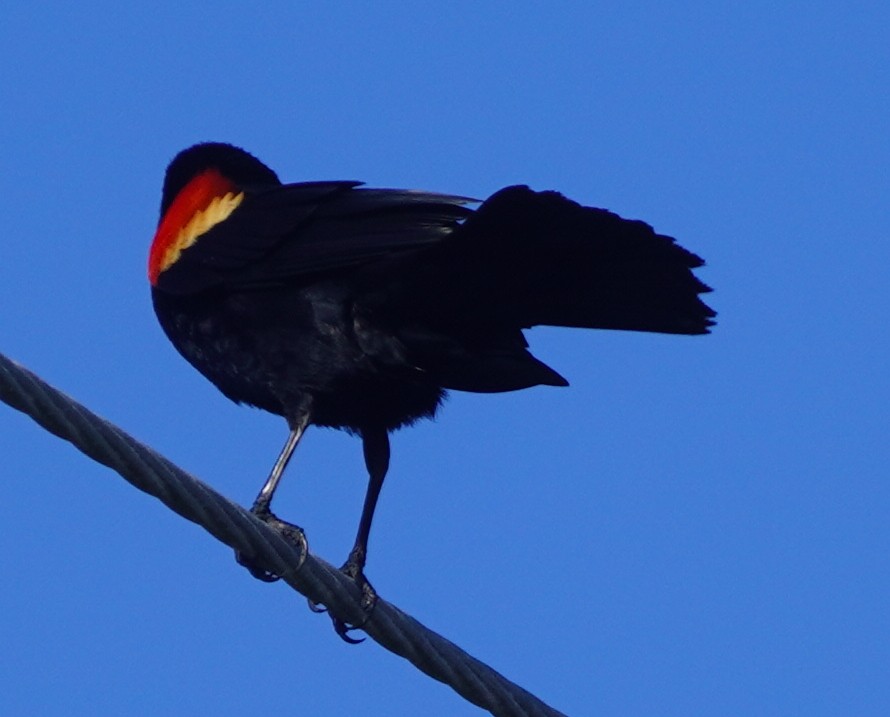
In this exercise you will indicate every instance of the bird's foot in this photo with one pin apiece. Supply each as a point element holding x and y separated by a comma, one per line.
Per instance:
<point>293,534</point>
<point>353,570</point>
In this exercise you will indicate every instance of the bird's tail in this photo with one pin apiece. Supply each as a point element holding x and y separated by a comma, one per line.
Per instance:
<point>536,258</point>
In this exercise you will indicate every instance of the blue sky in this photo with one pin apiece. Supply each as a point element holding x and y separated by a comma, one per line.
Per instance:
<point>696,526</point>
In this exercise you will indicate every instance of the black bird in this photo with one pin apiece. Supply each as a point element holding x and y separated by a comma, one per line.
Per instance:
<point>333,304</point>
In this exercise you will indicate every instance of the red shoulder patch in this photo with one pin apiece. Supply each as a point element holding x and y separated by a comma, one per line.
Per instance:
<point>208,199</point>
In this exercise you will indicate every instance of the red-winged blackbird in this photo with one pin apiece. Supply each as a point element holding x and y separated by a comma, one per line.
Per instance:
<point>337,305</point>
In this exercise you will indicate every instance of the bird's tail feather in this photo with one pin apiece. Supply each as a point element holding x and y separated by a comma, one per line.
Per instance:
<point>537,258</point>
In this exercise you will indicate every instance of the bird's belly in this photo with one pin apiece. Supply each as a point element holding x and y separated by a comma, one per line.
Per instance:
<point>275,361</point>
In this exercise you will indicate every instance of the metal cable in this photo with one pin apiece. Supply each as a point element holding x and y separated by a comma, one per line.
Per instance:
<point>316,579</point>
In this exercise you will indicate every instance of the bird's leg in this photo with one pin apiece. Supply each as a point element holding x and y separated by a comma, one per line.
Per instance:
<point>376,448</point>
<point>261,506</point>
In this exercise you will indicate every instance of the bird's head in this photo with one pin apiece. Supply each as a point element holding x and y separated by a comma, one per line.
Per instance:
<point>203,185</point>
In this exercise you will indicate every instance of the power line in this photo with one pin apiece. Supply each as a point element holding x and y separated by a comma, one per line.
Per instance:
<point>231,524</point>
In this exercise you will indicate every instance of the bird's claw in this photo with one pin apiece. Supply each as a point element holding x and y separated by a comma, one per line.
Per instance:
<point>368,601</point>
<point>257,572</point>
<point>342,629</point>
<point>316,607</point>
<point>354,571</point>
<point>293,534</point>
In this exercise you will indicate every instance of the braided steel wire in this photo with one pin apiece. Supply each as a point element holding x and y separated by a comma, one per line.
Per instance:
<point>233,525</point>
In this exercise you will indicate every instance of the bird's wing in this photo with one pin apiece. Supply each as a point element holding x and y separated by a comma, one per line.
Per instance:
<point>301,231</point>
